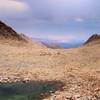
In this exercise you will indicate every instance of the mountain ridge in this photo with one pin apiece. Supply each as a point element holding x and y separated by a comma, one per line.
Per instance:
<point>95,38</point>
<point>6,32</point>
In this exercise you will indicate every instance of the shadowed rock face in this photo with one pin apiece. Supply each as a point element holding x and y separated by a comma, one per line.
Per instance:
<point>7,32</point>
<point>93,38</point>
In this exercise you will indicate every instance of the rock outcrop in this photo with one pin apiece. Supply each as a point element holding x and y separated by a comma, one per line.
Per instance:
<point>93,38</point>
<point>6,32</point>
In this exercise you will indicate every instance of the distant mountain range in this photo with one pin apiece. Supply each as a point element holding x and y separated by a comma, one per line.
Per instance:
<point>92,40</point>
<point>55,44</point>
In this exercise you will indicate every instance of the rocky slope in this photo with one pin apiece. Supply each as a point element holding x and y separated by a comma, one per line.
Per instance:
<point>81,73</point>
<point>11,37</point>
<point>6,32</point>
<point>94,39</point>
<point>78,69</point>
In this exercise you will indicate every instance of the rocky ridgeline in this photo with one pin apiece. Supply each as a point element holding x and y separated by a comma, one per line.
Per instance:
<point>93,38</point>
<point>7,32</point>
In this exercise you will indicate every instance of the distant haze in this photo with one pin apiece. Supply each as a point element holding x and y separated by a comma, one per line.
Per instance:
<point>57,44</point>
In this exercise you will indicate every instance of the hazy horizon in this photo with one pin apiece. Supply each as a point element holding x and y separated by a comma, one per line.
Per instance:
<point>58,20</point>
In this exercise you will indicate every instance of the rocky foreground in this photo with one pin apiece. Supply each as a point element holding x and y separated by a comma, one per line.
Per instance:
<point>78,69</point>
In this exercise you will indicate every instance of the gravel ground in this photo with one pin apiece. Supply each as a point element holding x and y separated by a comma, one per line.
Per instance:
<point>78,69</point>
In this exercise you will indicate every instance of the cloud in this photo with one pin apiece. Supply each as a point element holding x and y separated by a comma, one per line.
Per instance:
<point>60,10</point>
<point>60,38</point>
<point>79,19</point>
<point>12,7</point>
<point>52,17</point>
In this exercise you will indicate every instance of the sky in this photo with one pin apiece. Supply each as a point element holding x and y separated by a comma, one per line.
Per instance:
<point>59,20</point>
